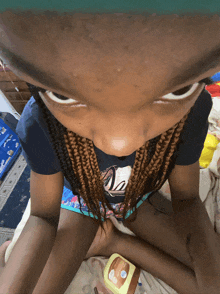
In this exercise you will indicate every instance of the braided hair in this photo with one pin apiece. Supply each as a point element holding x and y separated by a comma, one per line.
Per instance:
<point>153,164</point>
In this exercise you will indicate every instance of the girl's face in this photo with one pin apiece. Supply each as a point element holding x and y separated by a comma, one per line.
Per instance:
<point>121,69</point>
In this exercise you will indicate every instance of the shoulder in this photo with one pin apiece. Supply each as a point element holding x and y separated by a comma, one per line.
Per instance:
<point>199,113</point>
<point>184,178</point>
<point>35,140</point>
<point>194,132</point>
<point>203,104</point>
<point>184,181</point>
<point>32,123</point>
<point>26,121</point>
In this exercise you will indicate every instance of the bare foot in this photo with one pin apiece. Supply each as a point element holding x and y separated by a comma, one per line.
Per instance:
<point>102,244</point>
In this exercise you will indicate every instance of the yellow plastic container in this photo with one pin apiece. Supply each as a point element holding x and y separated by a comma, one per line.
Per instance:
<point>210,145</point>
<point>121,276</point>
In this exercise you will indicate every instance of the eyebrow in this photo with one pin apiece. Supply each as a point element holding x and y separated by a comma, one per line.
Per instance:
<point>27,68</point>
<point>34,72</point>
<point>197,67</point>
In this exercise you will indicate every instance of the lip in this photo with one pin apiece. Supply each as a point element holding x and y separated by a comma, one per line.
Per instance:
<point>120,156</point>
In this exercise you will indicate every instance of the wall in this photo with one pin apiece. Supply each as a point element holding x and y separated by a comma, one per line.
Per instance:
<point>6,106</point>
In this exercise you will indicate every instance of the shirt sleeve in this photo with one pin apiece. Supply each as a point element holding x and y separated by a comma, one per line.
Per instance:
<point>195,131</point>
<point>36,147</point>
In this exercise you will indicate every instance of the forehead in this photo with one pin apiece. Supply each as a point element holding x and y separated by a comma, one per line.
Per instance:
<point>70,45</point>
<point>30,25</point>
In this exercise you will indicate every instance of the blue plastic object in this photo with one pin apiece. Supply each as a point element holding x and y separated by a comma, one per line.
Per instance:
<point>216,77</point>
<point>10,148</point>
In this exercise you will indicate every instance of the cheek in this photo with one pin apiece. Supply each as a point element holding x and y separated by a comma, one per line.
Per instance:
<point>142,127</point>
<point>173,112</point>
<point>166,116</point>
<point>76,121</point>
<point>159,125</point>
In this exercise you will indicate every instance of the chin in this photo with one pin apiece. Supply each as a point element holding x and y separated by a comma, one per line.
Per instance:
<point>120,155</point>
<point>116,153</point>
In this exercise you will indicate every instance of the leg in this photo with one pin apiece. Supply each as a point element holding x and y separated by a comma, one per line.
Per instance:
<point>74,236</point>
<point>159,264</point>
<point>142,255</point>
<point>146,257</point>
<point>159,230</point>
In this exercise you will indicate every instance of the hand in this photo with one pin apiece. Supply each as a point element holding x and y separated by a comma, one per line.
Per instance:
<point>3,248</point>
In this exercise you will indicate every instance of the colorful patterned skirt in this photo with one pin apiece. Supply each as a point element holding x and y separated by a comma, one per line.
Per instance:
<point>70,202</point>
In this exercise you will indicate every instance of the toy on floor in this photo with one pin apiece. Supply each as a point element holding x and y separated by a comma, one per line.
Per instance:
<point>121,276</point>
<point>214,89</point>
<point>210,145</point>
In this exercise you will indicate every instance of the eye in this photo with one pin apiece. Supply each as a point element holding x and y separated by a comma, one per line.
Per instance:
<point>182,93</point>
<point>62,100</point>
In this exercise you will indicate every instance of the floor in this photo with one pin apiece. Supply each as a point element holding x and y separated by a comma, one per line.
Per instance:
<point>6,189</point>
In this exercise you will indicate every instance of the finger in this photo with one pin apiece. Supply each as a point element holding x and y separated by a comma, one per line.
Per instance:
<point>3,249</point>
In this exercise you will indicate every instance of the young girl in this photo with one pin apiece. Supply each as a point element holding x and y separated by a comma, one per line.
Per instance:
<point>119,106</point>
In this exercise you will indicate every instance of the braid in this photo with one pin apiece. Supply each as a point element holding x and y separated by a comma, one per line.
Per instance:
<point>57,130</point>
<point>169,162</point>
<point>153,164</point>
<point>158,170</point>
<point>133,182</point>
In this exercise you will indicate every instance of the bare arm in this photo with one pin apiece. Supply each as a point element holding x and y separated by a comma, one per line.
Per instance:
<point>194,225</point>
<point>28,257</point>
<point>201,239</point>
<point>33,247</point>
<point>74,236</point>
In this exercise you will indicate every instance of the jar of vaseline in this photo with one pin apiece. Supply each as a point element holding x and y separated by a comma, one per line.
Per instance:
<point>121,276</point>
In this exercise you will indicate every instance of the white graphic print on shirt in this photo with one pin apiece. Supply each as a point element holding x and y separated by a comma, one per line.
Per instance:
<point>116,179</point>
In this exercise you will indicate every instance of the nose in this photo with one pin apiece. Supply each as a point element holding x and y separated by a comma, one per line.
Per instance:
<point>118,146</point>
<point>120,135</point>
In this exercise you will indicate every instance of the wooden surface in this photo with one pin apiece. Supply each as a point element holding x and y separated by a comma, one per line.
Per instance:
<point>17,99</point>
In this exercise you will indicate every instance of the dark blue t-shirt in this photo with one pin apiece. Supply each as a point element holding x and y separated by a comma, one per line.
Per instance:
<point>41,158</point>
